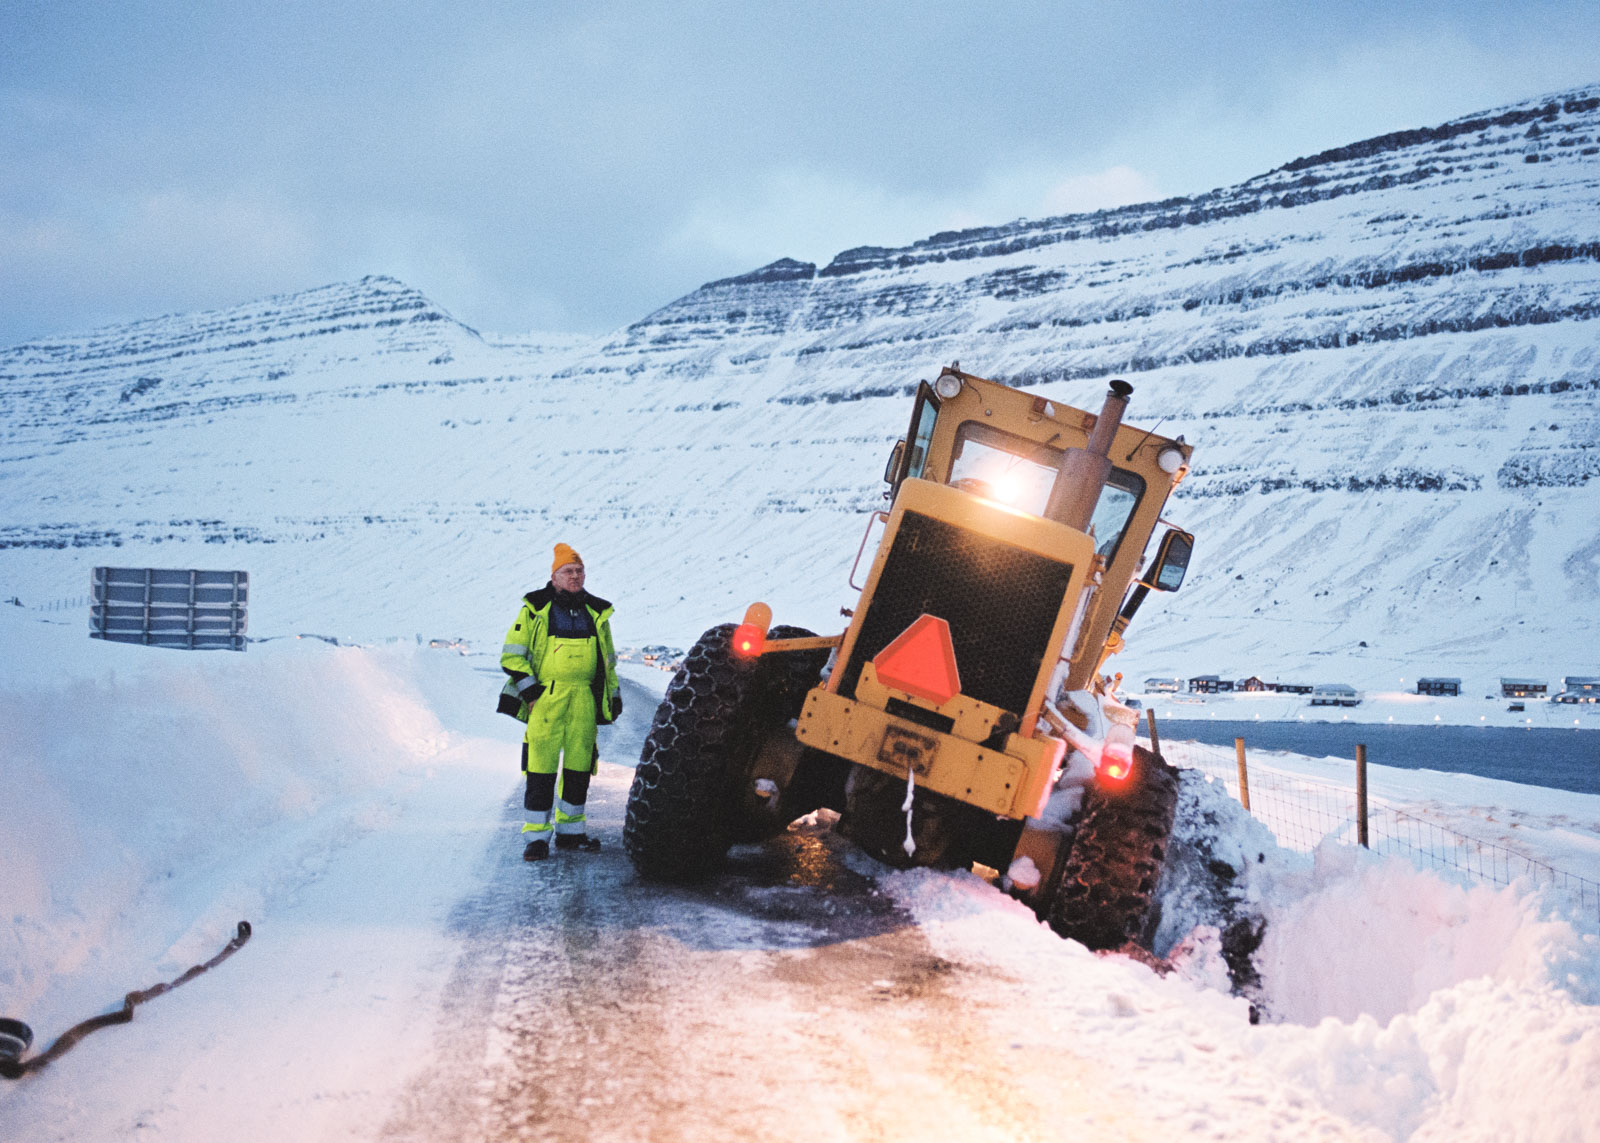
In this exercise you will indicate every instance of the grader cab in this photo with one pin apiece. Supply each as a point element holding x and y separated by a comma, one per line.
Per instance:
<point>961,718</point>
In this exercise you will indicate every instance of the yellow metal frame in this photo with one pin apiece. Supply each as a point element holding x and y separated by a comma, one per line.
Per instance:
<point>1014,782</point>
<point>996,521</point>
<point>1058,425</point>
<point>802,643</point>
<point>972,719</point>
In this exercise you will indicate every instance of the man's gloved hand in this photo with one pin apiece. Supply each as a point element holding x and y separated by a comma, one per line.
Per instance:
<point>616,705</point>
<point>531,695</point>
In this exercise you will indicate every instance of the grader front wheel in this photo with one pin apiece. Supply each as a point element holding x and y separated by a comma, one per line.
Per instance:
<point>1106,895</point>
<point>685,805</point>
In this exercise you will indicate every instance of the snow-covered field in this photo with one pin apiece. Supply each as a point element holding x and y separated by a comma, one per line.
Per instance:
<point>344,799</point>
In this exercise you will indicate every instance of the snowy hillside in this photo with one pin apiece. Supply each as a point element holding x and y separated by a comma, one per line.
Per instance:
<point>1385,356</point>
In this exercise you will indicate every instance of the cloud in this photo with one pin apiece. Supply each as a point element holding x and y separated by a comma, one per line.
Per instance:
<point>812,215</point>
<point>113,259</point>
<point>1115,186</point>
<point>1212,134</point>
<point>251,232</point>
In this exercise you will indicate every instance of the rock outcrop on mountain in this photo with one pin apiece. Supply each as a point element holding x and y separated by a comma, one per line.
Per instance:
<point>1385,354</point>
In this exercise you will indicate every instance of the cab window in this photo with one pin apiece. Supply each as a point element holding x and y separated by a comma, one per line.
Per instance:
<point>996,465</point>
<point>1000,466</point>
<point>921,434</point>
<point>1111,515</point>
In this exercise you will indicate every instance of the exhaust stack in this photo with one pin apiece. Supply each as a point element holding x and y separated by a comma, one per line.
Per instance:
<point>1084,471</point>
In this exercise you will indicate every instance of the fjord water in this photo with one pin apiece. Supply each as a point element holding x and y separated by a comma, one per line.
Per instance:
<point>1534,756</point>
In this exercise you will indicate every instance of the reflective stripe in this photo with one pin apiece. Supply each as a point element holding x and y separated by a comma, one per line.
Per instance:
<point>527,684</point>
<point>567,810</point>
<point>515,649</point>
<point>538,821</point>
<point>536,827</point>
<point>570,827</point>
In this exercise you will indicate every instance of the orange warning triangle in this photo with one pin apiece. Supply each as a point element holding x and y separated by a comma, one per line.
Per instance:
<point>921,661</point>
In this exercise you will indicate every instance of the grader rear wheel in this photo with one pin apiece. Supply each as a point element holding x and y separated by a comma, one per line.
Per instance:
<point>685,805</point>
<point>1106,895</point>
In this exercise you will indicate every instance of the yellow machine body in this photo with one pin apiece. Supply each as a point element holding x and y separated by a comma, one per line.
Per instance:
<point>952,544</point>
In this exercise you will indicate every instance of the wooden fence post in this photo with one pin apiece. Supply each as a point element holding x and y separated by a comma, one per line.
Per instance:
<point>1155,739</point>
<point>1361,795</point>
<point>1244,775</point>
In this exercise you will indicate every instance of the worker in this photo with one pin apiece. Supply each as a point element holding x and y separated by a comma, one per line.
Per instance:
<point>563,683</point>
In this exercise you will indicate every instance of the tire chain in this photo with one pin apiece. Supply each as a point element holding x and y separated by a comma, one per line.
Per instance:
<point>1106,896</point>
<point>715,712</point>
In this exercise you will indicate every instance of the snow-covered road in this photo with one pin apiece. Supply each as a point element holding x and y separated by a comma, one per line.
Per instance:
<point>788,999</point>
<point>412,978</point>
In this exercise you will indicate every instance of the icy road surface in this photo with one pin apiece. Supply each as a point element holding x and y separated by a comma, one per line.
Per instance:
<point>788,999</point>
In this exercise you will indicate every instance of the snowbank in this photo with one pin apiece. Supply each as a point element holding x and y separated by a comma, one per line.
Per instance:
<point>1397,999</point>
<point>154,798</point>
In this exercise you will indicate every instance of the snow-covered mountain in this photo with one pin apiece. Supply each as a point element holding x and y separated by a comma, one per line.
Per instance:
<point>1385,354</point>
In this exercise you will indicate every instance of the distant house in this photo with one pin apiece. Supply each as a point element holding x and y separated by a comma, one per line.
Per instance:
<point>1162,686</point>
<point>1523,688</point>
<point>1575,688</point>
<point>1449,687</point>
<point>1209,685</point>
<point>1250,684</point>
<point>1335,694</point>
<point>1290,688</point>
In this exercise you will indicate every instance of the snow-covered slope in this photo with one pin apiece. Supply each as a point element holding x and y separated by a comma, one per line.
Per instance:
<point>1385,355</point>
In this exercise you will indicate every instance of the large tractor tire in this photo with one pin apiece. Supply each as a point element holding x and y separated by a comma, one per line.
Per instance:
<point>685,805</point>
<point>874,818</point>
<point>1106,896</point>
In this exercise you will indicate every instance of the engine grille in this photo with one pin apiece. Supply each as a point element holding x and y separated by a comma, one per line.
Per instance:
<point>1001,602</point>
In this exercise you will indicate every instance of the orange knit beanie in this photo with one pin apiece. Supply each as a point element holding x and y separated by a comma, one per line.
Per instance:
<point>564,556</point>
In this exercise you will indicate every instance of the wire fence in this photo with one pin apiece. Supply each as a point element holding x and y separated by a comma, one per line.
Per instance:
<point>73,603</point>
<point>1303,812</point>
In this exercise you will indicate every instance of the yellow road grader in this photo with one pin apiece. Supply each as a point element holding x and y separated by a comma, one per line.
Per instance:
<point>962,717</point>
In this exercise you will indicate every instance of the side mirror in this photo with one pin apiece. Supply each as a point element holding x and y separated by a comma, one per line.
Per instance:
<point>892,469</point>
<point>1172,560</point>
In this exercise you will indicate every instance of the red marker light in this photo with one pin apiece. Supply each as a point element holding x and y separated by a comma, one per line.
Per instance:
<point>748,640</point>
<point>1115,766</point>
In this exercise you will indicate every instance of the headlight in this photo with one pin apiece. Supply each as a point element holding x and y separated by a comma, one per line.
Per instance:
<point>948,385</point>
<point>1170,459</point>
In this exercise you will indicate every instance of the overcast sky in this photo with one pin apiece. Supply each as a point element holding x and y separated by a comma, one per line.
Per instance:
<point>573,166</point>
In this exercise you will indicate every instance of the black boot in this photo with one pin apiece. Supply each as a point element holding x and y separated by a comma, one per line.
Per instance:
<point>537,850</point>
<point>577,841</point>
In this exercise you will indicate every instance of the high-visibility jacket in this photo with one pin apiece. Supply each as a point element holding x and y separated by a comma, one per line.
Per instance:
<point>526,651</point>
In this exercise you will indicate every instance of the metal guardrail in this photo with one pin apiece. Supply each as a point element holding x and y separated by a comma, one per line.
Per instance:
<point>170,607</point>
